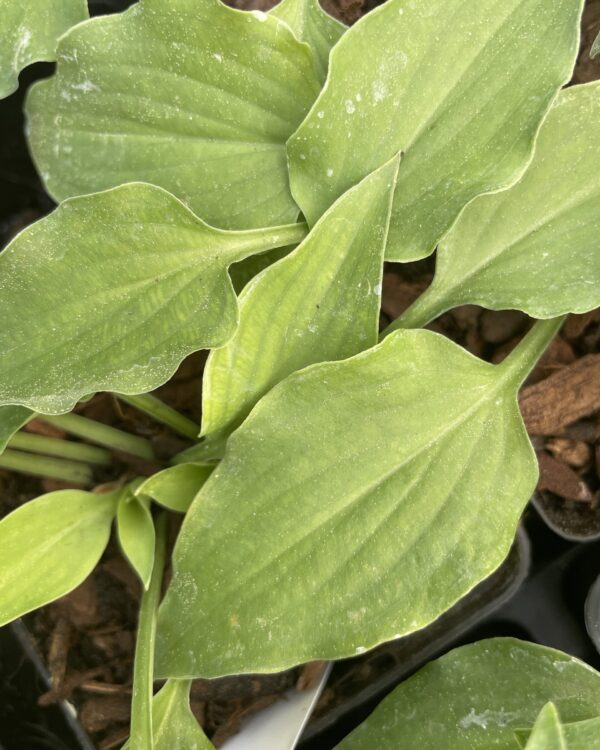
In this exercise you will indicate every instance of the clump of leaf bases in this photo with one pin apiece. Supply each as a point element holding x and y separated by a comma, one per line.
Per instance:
<point>346,487</point>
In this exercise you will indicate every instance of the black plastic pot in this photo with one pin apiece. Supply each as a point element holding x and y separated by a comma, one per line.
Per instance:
<point>576,522</point>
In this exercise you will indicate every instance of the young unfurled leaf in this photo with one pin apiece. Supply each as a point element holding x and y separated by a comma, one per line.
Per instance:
<point>111,292</point>
<point>535,246</point>
<point>320,303</point>
<point>49,546</point>
<point>135,529</point>
<point>12,418</point>
<point>29,30</point>
<point>547,733</point>
<point>460,87</point>
<point>595,51</point>
<point>193,96</point>
<point>312,25</point>
<point>358,501</point>
<point>476,696</point>
<point>175,488</point>
<point>174,726</point>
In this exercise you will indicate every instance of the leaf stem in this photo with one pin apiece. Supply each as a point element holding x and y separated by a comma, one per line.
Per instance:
<point>524,357</point>
<point>72,472</point>
<point>26,441</point>
<point>102,434</point>
<point>423,310</point>
<point>143,669</point>
<point>163,413</point>
<point>254,241</point>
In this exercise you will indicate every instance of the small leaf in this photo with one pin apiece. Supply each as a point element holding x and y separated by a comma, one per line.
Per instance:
<point>49,546</point>
<point>135,529</point>
<point>475,697</point>
<point>595,51</point>
<point>174,726</point>
<point>320,303</point>
<point>175,488</point>
<point>29,33</point>
<point>111,291</point>
<point>12,418</point>
<point>311,24</point>
<point>547,733</point>
<point>192,96</point>
<point>460,87</point>
<point>534,247</point>
<point>371,493</point>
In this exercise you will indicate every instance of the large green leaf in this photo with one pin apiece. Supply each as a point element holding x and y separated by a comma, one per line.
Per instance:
<point>535,246</point>
<point>475,697</point>
<point>358,501</point>
<point>193,96</point>
<point>460,87</point>
<point>174,726</point>
<point>29,30</point>
<point>320,303</point>
<point>312,25</point>
<point>49,546</point>
<point>12,418</point>
<point>111,292</point>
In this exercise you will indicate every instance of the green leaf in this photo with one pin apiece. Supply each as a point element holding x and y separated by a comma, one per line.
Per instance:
<point>311,24</point>
<point>174,726</point>
<point>175,488</point>
<point>192,96</point>
<point>12,418</point>
<point>475,697</point>
<point>534,247</point>
<point>49,546</point>
<point>135,529</point>
<point>583,735</point>
<point>244,271</point>
<point>320,303</point>
<point>29,32</point>
<point>111,291</point>
<point>461,88</point>
<point>592,613</point>
<point>358,501</point>
<point>547,731</point>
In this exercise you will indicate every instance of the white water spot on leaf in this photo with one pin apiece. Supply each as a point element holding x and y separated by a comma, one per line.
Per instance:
<point>360,649</point>
<point>498,718</point>
<point>259,14</point>
<point>379,91</point>
<point>85,86</point>
<point>377,289</point>
<point>321,114</point>
<point>330,172</point>
<point>218,57</point>
<point>350,106</point>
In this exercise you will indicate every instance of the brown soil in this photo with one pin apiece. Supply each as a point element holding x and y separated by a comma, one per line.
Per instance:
<point>87,637</point>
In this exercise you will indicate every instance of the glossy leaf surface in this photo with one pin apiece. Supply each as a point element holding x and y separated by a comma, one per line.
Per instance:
<point>461,88</point>
<point>29,31</point>
<point>320,303</point>
<point>111,292</point>
<point>476,696</point>
<point>135,530</point>
<point>535,246</point>
<point>175,488</point>
<point>311,24</point>
<point>362,498</point>
<point>193,96</point>
<point>12,418</point>
<point>49,546</point>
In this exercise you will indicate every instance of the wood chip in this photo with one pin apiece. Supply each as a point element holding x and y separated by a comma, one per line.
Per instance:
<point>566,396</point>
<point>562,480</point>
<point>574,453</point>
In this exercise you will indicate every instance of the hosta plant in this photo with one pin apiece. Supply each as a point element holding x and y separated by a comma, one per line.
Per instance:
<point>346,486</point>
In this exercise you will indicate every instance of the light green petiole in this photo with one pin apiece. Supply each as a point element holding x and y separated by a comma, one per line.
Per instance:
<point>72,472</point>
<point>26,441</point>
<point>163,413</point>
